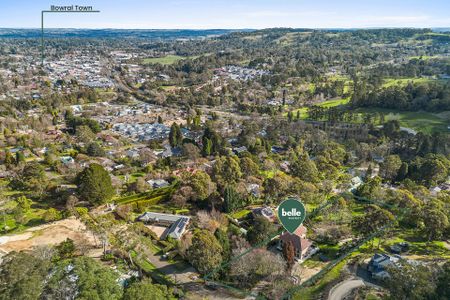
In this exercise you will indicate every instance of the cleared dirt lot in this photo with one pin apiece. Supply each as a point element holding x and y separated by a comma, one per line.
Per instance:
<point>48,234</point>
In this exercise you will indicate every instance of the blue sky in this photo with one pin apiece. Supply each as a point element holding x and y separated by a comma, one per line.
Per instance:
<point>199,14</point>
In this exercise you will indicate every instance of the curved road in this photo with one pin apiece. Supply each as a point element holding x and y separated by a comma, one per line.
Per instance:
<point>344,288</point>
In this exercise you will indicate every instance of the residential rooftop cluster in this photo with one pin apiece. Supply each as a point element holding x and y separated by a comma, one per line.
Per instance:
<point>87,70</point>
<point>143,132</point>
<point>239,73</point>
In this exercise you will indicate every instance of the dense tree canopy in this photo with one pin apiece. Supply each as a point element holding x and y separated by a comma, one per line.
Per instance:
<point>94,184</point>
<point>205,253</point>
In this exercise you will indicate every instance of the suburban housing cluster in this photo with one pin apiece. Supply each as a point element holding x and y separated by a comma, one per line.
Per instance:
<point>239,73</point>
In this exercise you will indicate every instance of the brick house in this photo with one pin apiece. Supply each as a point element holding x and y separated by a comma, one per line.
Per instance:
<point>302,245</point>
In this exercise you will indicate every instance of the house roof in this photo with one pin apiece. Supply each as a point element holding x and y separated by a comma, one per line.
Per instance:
<point>300,231</point>
<point>177,229</point>
<point>178,223</point>
<point>152,216</point>
<point>381,261</point>
<point>266,212</point>
<point>158,183</point>
<point>297,238</point>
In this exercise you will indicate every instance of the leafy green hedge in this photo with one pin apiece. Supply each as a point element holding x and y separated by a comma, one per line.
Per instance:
<point>159,194</point>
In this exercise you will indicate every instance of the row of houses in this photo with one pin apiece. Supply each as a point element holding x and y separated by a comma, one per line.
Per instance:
<point>239,73</point>
<point>143,132</point>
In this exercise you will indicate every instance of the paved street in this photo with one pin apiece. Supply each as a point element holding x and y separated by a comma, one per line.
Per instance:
<point>344,288</point>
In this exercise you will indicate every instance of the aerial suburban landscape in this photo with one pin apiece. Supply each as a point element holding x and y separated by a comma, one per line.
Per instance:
<point>152,163</point>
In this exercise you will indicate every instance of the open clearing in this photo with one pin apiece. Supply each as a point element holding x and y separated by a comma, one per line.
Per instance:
<point>421,121</point>
<point>326,104</point>
<point>165,60</point>
<point>48,234</point>
<point>404,81</point>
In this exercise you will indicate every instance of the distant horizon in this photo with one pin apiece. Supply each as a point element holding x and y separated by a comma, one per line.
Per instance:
<point>219,28</point>
<point>231,14</point>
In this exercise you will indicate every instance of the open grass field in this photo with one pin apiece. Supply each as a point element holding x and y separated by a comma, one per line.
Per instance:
<point>404,81</point>
<point>327,104</point>
<point>428,57</point>
<point>169,87</point>
<point>287,39</point>
<point>169,59</point>
<point>166,60</point>
<point>335,102</point>
<point>420,121</point>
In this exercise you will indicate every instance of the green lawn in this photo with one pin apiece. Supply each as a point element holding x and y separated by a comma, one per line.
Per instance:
<point>32,218</point>
<point>417,245</point>
<point>165,60</point>
<point>404,81</point>
<point>142,263</point>
<point>327,104</point>
<point>268,173</point>
<point>313,291</point>
<point>240,214</point>
<point>335,102</point>
<point>420,121</point>
<point>156,194</point>
<point>169,87</point>
<point>427,57</point>
<point>168,59</point>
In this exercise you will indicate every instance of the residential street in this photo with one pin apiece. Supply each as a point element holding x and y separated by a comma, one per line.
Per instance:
<point>344,288</point>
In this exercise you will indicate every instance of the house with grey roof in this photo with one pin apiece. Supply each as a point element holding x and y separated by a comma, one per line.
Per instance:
<point>265,212</point>
<point>176,224</point>
<point>158,183</point>
<point>379,264</point>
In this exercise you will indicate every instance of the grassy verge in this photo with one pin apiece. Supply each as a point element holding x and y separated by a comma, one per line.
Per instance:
<point>313,291</point>
<point>240,214</point>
